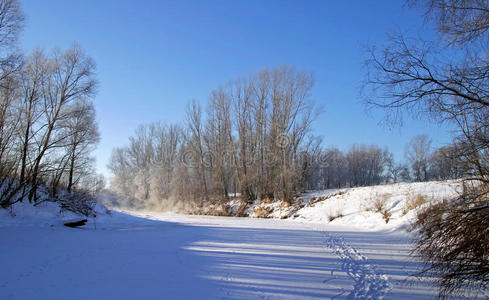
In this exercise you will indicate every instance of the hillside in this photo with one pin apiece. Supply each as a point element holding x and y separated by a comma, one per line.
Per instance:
<point>370,207</point>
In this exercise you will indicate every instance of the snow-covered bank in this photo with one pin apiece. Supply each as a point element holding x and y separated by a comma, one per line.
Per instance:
<point>369,207</point>
<point>382,207</point>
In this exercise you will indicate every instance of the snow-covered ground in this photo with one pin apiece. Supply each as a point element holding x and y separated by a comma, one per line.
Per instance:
<point>148,255</point>
<point>355,207</point>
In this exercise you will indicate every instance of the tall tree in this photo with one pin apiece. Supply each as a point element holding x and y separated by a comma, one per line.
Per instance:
<point>81,134</point>
<point>447,80</point>
<point>70,79</point>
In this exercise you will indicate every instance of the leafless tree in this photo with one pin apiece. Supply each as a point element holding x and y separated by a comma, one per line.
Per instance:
<point>448,81</point>
<point>418,152</point>
<point>250,139</point>
<point>43,128</point>
<point>11,23</point>
<point>33,77</point>
<point>366,165</point>
<point>196,143</point>
<point>80,129</point>
<point>446,163</point>
<point>70,79</point>
<point>219,142</point>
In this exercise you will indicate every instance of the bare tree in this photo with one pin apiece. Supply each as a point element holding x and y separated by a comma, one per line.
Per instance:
<point>448,84</point>
<point>38,96</point>
<point>366,165</point>
<point>11,23</point>
<point>418,152</point>
<point>33,76</point>
<point>196,142</point>
<point>82,135</point>
<point>258,152</point>
<point>459,21</point>
<point>219,142</point>
<point>71,78</point>
<point>446,163</point>
<point>168,141</point>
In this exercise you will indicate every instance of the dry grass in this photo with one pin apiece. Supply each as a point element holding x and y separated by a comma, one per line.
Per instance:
<point>380,206</point>
<point>241,210</point>
<point>386,215</point>
<point>337,215</point>
<point>221,210</point>
<point>314,200</point>
<point>413,202</point>
<point>262,211</point>
<point>284,205</point>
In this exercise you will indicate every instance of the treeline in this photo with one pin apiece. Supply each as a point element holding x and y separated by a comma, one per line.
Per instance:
<point>254,140</point>
<point>249,140</point>
<point>47,118</point>
<point>365,165</point>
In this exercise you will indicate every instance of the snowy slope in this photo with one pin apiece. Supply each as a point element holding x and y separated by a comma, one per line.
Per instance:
<point>355,207</point>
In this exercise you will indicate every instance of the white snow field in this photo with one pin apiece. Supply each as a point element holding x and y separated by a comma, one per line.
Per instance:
<point>147,255</point>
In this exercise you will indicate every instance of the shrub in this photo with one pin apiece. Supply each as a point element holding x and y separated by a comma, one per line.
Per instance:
<point>312,201</point>
<point>386,215</point>
<point>284,205</point>
<point>262,211</point>
<point>241,211</point>
<point>221,210</point>
<point>413,203</point>
<point>80,202</point>
<point>453,241</point>
<point>379,205</point>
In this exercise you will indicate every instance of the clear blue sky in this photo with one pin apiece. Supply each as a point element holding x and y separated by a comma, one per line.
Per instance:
<point>154,56</point>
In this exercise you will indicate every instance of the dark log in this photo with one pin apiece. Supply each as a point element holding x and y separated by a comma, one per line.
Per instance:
<point>76,223</point>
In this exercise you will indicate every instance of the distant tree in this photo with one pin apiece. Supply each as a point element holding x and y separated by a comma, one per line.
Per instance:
<point>446,163</point>
<point>219,141</point>
<point>252,138</point>
<point>418,152</point>
<point>396,172</point>
<point>144,170</point>
<point>366,165</point>
<point>333,168</point>
<point>168,141</point>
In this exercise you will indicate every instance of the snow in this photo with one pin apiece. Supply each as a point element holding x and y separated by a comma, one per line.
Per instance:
<point>149,255</point>
<point>356,204</point>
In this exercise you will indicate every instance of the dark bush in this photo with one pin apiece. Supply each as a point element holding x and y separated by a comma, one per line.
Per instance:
<point>453,242</point>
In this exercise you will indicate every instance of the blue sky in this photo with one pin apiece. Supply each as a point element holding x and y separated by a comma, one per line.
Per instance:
<point>154,56</point>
